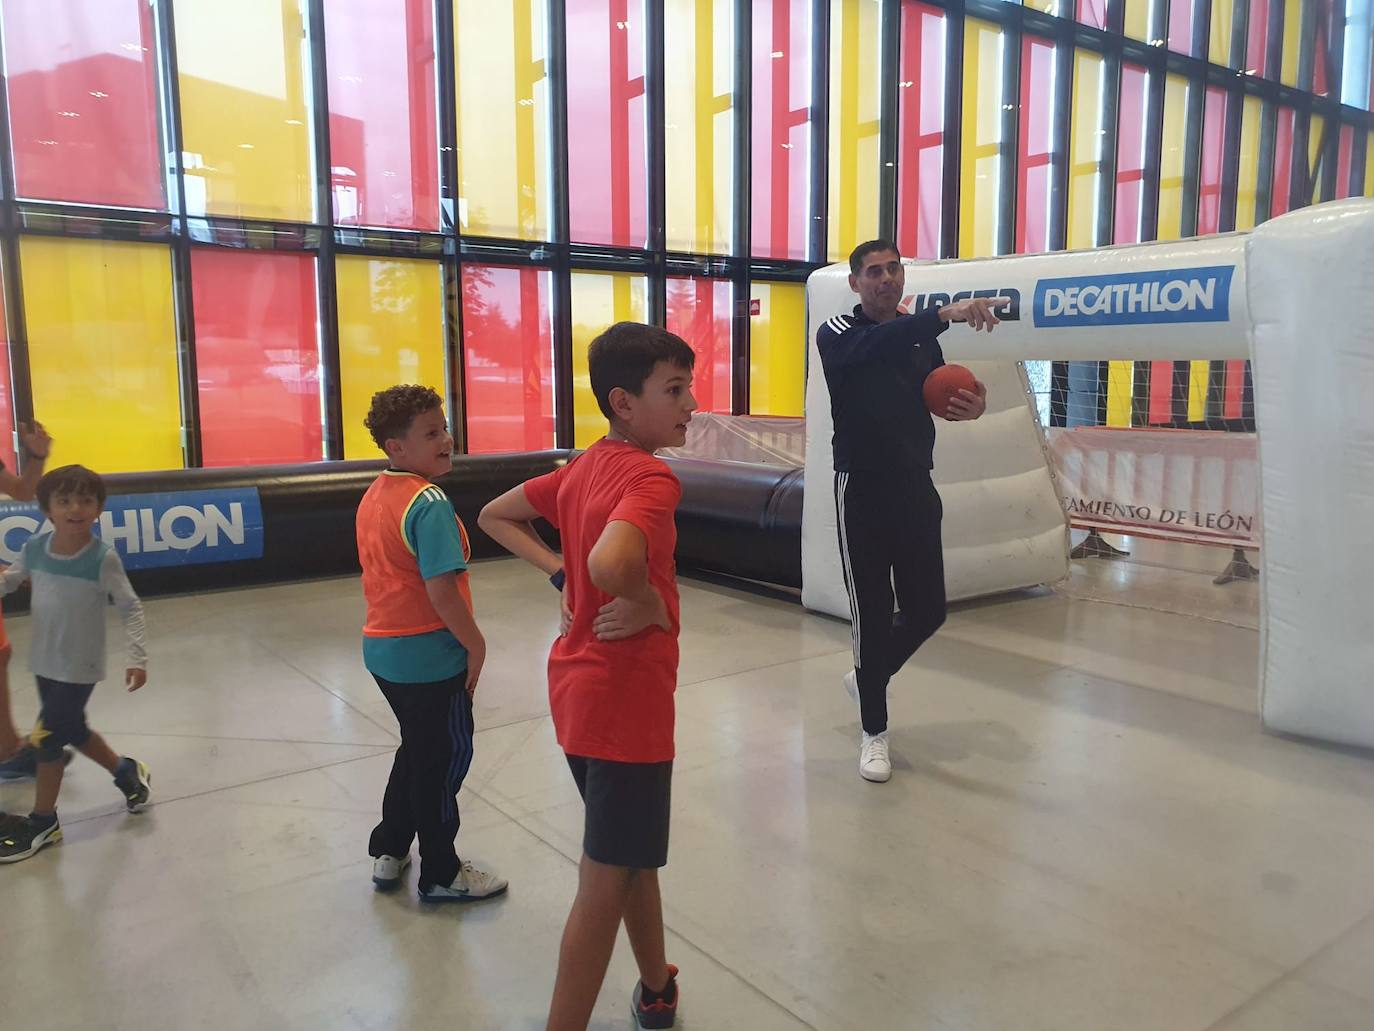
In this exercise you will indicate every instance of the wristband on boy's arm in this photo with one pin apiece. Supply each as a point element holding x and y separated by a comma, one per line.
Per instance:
<point>558,579</point>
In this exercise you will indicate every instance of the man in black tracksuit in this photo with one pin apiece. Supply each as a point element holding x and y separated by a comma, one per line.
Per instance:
<point>876,362</point>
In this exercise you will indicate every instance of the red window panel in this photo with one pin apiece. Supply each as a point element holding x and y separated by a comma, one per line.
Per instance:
<point>6,395</point>
<point>83,102</point>
<point>781,130</point>
<point>1280,195</point>
<point>1213,159</point>
<point>1130,154</point>
<point>1257,39</point>
<point>1181,14</point>
<point>699,312</point>
<point>382,127</point>
<point>921,131</point>
<point>1345,162</point>
<point>1092,12</point>
<point>606,155</point>
<point>1320,80</point>
<point>1233,390</point>
<point>257,357</point>
<point>508,358</point>
<point>1037,145</point>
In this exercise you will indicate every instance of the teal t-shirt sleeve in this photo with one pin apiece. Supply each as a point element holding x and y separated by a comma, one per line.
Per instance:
<point>432,530</point>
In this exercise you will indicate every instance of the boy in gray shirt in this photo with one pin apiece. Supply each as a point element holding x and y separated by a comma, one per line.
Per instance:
<point>74,575</point>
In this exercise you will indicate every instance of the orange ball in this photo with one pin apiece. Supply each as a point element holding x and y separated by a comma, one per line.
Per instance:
<point>945,383</point>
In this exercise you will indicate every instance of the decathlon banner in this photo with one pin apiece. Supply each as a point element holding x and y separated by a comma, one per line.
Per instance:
<point>182,528</point>
<point>1188,485</point>
<point>1178,300</point>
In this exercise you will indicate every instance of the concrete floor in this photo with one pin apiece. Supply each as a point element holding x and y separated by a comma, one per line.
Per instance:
<point>1086,829</point>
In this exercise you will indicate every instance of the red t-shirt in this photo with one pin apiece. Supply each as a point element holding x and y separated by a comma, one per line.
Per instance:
<point>612,699</point>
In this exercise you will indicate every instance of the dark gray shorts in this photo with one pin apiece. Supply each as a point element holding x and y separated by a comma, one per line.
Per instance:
<point>628,805</point>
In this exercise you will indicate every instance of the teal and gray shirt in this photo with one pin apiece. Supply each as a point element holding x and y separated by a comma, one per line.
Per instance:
<point>70,596</point>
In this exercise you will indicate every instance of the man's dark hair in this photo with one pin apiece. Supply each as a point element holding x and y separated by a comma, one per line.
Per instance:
<point>859,253</point>
<point>625,355</point>
<point>70,479</point>
<point>395,408</point>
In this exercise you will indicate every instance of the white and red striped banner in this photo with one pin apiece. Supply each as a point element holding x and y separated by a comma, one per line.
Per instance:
<point>1191,485</point>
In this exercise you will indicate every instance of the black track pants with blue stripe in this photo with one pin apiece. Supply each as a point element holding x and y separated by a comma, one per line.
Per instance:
<point>421,797</point>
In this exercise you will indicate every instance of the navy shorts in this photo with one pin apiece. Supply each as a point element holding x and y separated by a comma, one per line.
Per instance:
<point>627,811</point>
<point>62,721</point>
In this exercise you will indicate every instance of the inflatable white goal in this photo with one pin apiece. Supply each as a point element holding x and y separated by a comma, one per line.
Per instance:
<point>1295,295</point>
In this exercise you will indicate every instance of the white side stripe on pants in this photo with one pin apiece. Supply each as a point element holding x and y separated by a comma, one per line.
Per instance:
<point>856,632</point>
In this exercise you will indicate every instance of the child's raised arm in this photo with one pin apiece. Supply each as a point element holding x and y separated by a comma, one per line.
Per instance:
<point>35,441</point>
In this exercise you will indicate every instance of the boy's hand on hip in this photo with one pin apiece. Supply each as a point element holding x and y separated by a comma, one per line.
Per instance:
<point>565,614</point>
<point>135,678</point>
<point>624,617</point>
<point>476,658</point>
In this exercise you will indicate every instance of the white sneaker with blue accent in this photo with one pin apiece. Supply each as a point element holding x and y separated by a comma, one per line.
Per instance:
<point>387,870</point>
<point>470,885</point>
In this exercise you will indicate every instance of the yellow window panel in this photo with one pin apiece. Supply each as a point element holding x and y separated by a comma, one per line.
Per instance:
<point>1085,160</point>
<point>391,330</point>
<point>598,300</point>
<point>1223,17</point>
<point>1315,128</point>
<point>1247,191</point>
<point>699,118</point>
<point>855,61</point>
<point>777,350</point>
<point>245,120</point>
<point>980,158</point>
<point>1120,390</point>
<point>1292,37</point>
<point>1172,148</point>
<point>1199,376</point>
<point>1137,21</point>
<point>501,53</point>
<point>103,352</point>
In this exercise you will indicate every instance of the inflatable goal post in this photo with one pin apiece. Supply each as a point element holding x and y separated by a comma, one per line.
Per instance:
<point>1296,296</point>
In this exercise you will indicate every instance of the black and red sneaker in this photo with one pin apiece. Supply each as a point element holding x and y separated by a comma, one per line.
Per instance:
<point>656,1009</point>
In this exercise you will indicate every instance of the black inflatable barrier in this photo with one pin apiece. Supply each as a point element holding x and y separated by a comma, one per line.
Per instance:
<point>740,520</point>
<point>297,522</point>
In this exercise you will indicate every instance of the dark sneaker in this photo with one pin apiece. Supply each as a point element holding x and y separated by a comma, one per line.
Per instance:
<point>660,1013</point>
<point>24,839</point>
<point>136,783</point>
<point>24,765</point>
<point>9,821</point>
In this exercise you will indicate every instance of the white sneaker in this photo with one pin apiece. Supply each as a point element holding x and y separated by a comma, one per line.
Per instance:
<point>470,885</point>
<point>874,761</point>
<point>387,870</point>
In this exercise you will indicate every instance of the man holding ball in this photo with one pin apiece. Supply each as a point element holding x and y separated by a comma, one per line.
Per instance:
<point>876,362</point>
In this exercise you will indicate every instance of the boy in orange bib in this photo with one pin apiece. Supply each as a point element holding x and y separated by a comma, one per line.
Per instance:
<point>421,644</point>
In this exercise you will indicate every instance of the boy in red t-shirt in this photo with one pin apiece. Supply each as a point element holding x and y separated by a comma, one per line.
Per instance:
<point>613,670</point>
